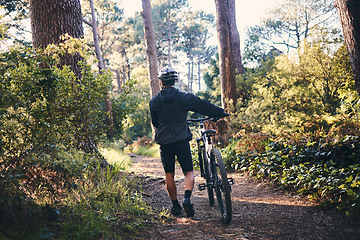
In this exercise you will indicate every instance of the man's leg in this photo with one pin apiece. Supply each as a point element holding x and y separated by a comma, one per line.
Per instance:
<point>171,189</point>
<point>184,157</point>
<point>170,185</point>
<point>168,161</point>
<point>189,180</point>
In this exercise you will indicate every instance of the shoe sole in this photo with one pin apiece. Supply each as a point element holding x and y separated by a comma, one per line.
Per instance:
<point>176,213</point>
<point>189,210</point>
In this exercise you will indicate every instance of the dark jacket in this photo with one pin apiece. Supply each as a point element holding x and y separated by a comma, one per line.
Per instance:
<point>169,109</point>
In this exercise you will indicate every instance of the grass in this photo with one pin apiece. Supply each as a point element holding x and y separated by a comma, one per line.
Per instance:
<point>152,151</point>
<point>101,203</point>
<point>116,156</point>
<point>105,204</point>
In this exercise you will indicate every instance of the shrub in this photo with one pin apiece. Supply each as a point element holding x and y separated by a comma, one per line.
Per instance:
<point>325,167</point>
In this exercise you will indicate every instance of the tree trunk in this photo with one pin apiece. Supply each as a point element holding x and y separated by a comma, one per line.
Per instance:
<point>349,13</point>
<point>109,119</point>
<point>51,19</point>
<point>151,49</point>
<point>96,38</point>
<point>169,42</point>
<point>199,72</point>
<point>189,76</point>
<point>226,55</point>
<point>235,38</point>
<point>118,80</point>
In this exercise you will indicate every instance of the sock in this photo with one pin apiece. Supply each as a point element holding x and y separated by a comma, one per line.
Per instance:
<point>187,194</point>
<point>175,202</point>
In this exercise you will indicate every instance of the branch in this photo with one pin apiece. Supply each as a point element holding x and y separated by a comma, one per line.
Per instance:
<point>87,22</point>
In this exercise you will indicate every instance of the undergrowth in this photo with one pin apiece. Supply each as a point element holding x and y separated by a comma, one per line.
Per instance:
<point>145,147</point>
<point>324,167</point>
<point>97,203</point>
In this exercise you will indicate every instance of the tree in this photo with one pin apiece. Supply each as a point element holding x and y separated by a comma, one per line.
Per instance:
<point>235,38</point>
<point>195,31</point>
<point>151,50</point>
<point>108,107</point>
<point>226,55</point>
<point>51,19</point>
<point>287,25</point>
<point>16,11</point>
<point>167,15</point>
<point>349,13</point>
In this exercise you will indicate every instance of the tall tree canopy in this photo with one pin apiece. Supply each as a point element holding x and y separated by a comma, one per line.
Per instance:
<point>286,25</point>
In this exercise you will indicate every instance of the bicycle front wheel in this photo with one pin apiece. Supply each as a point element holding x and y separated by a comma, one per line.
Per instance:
<point>222,186</point>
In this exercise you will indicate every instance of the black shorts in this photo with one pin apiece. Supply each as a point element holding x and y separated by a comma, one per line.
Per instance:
<point>179,149</point>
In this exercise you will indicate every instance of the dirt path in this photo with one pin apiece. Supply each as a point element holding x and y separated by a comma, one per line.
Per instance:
<point>259,211</point>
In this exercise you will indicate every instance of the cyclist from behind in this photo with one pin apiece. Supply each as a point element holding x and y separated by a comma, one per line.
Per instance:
<point>169,109</point>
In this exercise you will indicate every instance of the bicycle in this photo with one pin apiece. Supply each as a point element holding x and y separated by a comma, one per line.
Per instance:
<point>213,170</point>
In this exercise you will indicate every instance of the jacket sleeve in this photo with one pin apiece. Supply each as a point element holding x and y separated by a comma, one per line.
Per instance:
<point>154,116</point>
<point>198,105</point>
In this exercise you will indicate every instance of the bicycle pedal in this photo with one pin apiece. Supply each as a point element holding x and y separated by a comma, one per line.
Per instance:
<point>231,181</point>
<point>202,186</point>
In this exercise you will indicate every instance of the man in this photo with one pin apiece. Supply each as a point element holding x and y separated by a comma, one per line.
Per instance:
<point>169,109</point>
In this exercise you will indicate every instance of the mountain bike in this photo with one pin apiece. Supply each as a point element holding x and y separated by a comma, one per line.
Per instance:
<point>213,170</point>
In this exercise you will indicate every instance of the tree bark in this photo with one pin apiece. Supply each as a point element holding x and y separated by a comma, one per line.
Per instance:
<point>199,72</point>
<point>151,49</point>
<point>235,38</point>
<point>51,19</point>
<point>349,13</point>
<point>226,55</point>
<point>96,37</point>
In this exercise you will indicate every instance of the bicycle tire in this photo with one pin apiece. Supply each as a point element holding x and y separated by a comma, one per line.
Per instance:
<point>207,177</point>
<point>222,186</point>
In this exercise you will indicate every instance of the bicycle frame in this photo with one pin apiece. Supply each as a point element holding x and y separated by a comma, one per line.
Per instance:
<point>204,141</point>
<point>213,171</point>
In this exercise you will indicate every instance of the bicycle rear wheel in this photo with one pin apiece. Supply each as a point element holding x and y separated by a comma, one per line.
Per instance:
<point>209,186</point>
<point>222,186</point>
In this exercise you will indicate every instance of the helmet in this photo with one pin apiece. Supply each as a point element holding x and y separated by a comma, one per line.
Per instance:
<point>168,74</point>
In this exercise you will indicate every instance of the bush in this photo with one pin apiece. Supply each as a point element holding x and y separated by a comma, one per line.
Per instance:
<point>144,146</point>
<point>50,124</point>
<point>325,167</point>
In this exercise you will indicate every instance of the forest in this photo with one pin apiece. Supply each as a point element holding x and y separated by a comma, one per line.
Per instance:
<point>76,78</point>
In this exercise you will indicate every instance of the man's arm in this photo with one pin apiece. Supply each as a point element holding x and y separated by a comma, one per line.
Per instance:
<point>204,107</point>
<point>154,118</point>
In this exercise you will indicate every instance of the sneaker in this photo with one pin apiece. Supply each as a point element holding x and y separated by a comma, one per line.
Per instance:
<point>188,207</point>
<point>176,210</point>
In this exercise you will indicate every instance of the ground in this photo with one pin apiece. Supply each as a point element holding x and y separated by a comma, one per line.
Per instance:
<point>260,211</point>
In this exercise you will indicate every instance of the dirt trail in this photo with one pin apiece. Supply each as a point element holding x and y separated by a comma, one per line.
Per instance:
<point>259,211</point>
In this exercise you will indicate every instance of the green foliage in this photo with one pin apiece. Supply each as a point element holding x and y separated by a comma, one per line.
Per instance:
<point>50,124</point>
<point>144,146</point>
<point>123,105</point>
<point>297,93</point>
<point>325,167</point>
<point>138,121</point>
<point>286,26</point>
<point>104,204</point>
<point>15,29</point>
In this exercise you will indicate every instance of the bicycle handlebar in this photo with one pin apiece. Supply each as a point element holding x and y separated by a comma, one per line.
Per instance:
<point>191,120</point>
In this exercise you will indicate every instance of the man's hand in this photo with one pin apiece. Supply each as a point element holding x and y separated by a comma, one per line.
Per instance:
<point>225,115</point>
